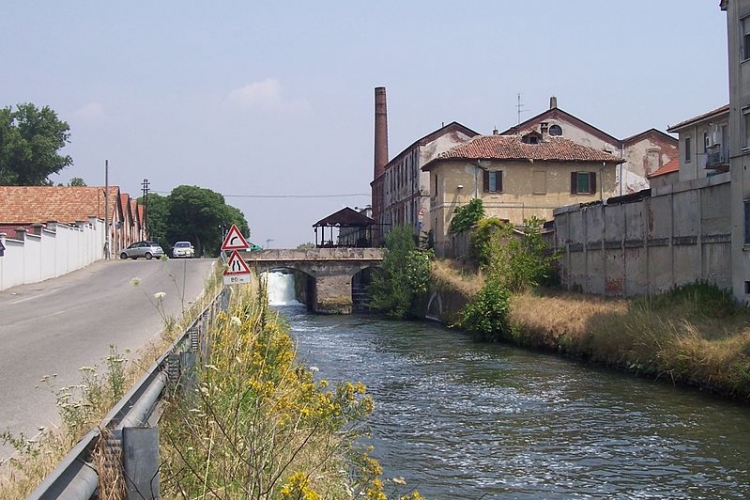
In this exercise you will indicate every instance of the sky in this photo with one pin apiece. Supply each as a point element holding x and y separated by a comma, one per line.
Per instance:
<point>271,103</point>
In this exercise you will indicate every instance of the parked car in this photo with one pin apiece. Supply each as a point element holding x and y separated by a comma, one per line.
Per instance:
<point>145,249</point>
<point>183,249</point>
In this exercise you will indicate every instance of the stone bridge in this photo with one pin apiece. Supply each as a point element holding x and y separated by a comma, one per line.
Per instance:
<point>330,270</point>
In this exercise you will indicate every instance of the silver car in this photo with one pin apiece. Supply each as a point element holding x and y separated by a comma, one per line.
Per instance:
<point>183,249</point>
<point>145,249</point>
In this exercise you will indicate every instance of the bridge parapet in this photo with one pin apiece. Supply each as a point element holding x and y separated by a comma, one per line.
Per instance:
<point>331,268</point>
<point>315,254</point>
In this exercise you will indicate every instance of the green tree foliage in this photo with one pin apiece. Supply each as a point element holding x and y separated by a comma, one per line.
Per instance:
<point>306,246</point>
<point>516,259</point>
<point>486,316</point>
<point>194,214</point>
<point>30,140</point>
<point>466,216</point>
<point>157,217</point>
<point>403,276</point>
<point>77,182</point>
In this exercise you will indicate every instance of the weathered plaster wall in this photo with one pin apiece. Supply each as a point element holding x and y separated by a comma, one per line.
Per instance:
<point>678,235</point>
<point>521,196</point>
<point>644,157</point>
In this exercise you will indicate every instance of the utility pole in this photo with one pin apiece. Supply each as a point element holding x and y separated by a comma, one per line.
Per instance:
<point>107,242</point>
<point>144,186</point>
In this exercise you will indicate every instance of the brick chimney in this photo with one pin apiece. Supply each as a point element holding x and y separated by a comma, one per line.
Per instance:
<point>381,132</point>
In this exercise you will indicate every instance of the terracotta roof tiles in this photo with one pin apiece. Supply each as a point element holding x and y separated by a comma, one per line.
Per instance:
<point>667,168</point>
<point>63,204</point>
<point>510,147</point>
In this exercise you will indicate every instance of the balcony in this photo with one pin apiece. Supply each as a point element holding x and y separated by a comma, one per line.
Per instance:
<point>716,157</point>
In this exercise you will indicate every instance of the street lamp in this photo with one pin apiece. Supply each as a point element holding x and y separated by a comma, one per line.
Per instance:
<point>268,243</point>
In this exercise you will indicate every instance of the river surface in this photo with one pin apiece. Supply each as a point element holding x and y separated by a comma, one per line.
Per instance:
<point>461,420</point>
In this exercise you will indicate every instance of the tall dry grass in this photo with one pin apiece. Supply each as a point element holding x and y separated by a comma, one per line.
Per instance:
<point>678,337</point>
<point>695,335</point>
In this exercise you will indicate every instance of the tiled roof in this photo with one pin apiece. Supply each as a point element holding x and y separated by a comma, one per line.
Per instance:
<point>718,111</point>
<point>346,217</point>
<point>667,168</point>
<point>63,204</point>
<point>510,147</point>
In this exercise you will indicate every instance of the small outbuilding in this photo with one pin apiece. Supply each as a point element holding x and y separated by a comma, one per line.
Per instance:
<point>354,229</point>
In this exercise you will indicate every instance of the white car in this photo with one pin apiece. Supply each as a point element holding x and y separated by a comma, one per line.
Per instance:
<point>183,249</point>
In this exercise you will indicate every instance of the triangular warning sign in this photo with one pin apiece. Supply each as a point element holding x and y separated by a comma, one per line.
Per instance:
<point>234,240</point>
<point>236,265</point>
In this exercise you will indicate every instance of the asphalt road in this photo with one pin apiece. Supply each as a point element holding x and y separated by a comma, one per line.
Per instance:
<point>60,325</point>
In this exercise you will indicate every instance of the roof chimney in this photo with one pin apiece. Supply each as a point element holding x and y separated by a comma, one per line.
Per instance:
<point>552,102</point>
<point>544,127</point>
<point>381,132</point>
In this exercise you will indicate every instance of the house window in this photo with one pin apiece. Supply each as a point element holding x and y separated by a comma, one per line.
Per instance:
<point>705,142</point>
<point>746,123</point>
<point>555,130</point>
<point>493,181</point>
<point>688,153</point>
<point>436,185</point>
<point>582,182</point>
<point>746,38</point>
<point>747,222</point>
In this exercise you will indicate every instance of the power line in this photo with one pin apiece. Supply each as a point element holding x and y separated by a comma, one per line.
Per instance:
<point>348,195</point>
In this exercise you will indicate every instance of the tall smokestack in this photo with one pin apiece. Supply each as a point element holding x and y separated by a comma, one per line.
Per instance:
<point>381,132</point>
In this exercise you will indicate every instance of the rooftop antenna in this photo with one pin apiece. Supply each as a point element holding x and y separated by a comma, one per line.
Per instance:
<point>519,107</point>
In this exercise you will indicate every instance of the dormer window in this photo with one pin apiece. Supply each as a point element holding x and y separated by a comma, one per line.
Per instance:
<point>532,138</point>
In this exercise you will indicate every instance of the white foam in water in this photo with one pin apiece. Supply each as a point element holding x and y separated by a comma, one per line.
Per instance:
<point>281,289</point>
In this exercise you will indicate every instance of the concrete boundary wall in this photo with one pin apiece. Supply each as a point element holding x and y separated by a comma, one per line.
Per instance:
<point>648,244</point>
<point>45,253</point>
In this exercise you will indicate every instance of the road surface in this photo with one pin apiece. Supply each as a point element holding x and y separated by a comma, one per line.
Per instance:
<point>56,327</point>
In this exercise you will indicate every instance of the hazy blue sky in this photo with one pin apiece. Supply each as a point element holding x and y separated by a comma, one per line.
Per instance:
<point>275,98</point>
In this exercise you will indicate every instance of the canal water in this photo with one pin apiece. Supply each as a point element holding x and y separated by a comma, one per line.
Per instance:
<point>461,420</point>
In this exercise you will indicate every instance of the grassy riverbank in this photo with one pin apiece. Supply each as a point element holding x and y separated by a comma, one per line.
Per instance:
<point>260,425</point>
<point>693,336</point>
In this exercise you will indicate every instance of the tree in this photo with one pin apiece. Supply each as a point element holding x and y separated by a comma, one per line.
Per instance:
<point>30,140</point>
<point>466,216</point>
<point>201,216</point>
<point>157,217</point>
<point>403,276</point>
<point>77,182</point>
<point>516,258</point>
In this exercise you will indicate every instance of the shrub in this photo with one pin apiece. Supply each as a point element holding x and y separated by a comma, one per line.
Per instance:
<point>466,216</point>
<point>403,276</point>
<point>516,258</point>
<point>486,316</point>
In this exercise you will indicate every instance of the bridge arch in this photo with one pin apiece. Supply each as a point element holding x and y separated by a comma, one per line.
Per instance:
<point>331,270</point>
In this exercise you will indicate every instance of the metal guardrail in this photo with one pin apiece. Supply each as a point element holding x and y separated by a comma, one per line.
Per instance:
<point>76,477</point>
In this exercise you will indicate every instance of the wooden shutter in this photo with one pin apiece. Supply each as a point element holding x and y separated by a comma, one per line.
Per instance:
<point>573,182</point>
<point>486,181</point>
<point>592,182</point>
<point>499,181</point>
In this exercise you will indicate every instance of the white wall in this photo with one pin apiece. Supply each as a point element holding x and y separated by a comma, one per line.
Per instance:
<point>57,250</point>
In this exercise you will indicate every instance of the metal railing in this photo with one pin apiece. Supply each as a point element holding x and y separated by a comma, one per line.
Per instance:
<point>76,477</point>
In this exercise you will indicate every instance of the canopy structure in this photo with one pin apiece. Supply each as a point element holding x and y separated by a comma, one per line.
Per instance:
<point>354,229</point>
